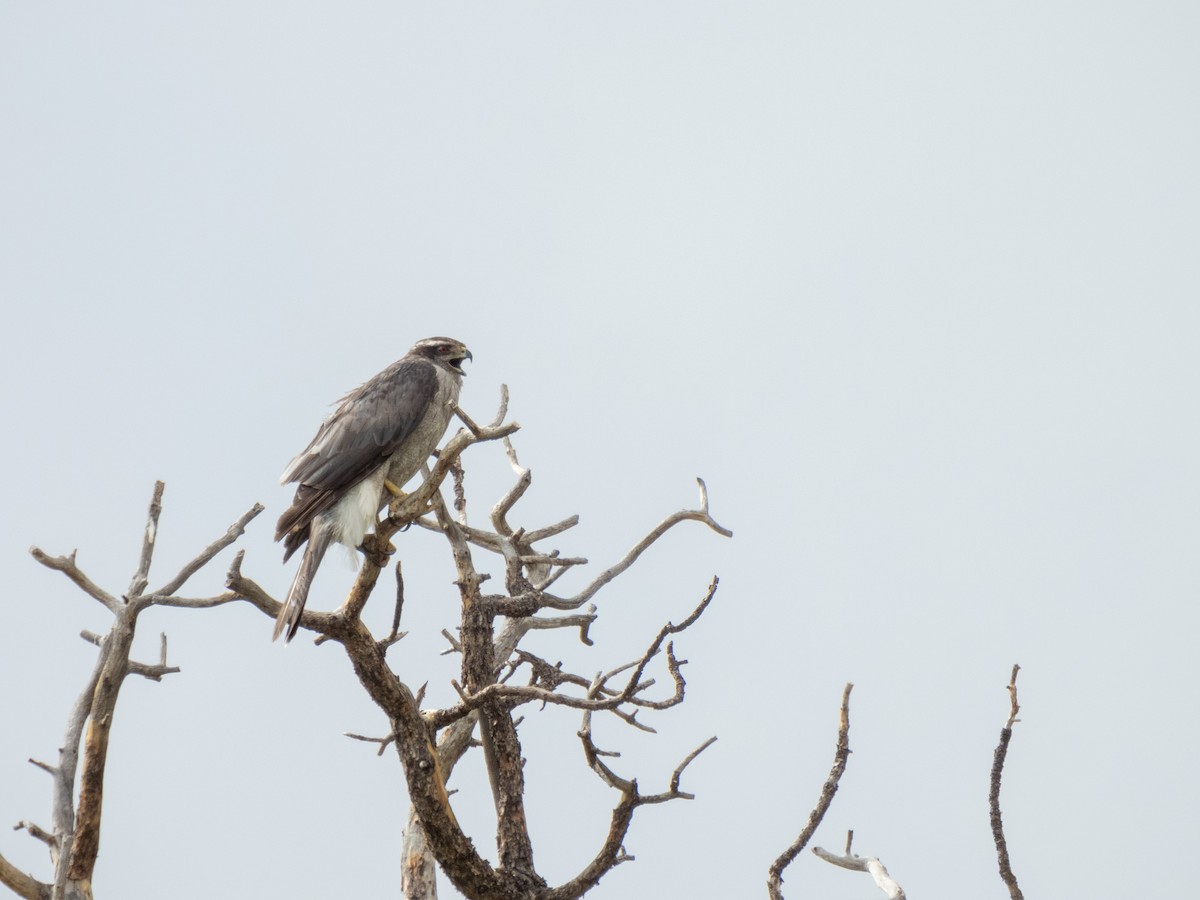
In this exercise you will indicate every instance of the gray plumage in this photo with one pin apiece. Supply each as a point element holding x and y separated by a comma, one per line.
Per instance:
<point>383,430</point>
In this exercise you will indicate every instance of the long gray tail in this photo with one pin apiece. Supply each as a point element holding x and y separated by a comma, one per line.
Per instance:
<point>289,616</point>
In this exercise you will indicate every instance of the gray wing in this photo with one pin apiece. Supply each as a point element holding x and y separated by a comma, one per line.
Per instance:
<point>367,427</point>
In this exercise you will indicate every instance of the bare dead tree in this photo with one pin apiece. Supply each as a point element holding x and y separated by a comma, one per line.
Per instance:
<point>1006,872</point>
<point>428,742</point>
<point>74,835</point>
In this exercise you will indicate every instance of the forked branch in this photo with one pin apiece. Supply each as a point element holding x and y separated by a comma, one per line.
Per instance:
<point>74,836</point>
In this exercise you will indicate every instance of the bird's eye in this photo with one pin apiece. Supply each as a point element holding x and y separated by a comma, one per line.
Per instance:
<point>445,348</point>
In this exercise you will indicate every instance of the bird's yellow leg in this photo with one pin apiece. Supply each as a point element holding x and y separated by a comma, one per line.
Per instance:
<point>398,497</point>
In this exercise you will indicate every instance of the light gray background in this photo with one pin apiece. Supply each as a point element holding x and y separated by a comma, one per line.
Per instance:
<point>912,285</point>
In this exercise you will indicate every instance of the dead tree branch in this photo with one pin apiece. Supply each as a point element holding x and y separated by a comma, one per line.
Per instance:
<point>1006,872</point>
<point>612,852</point>
<point>868,864</point>
<point>840,757</point>
<point>695,515</point>
<point>142,576</point>
<point>630,694</point>
<point>66,565</point>
<point>21,883</point>
<point>205,556</point>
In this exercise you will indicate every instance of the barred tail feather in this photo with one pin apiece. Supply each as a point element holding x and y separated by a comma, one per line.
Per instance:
<point>289,616</point>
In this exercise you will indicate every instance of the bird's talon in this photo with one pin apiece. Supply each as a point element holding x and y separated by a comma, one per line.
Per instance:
<point>371,550</point>
<point>393,490</point>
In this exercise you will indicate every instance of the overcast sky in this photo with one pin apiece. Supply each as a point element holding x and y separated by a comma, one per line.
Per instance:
<point>913,286</point>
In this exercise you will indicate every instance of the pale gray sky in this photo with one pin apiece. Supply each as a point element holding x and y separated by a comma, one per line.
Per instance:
<point>912,285</point>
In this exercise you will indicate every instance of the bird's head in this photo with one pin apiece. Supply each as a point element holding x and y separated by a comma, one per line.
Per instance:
<point>445,351</point>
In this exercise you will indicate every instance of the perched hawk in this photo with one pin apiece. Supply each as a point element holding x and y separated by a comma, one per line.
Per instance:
<point>373,443</point>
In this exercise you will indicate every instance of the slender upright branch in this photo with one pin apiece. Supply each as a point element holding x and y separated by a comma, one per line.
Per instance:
<point>840,757</point>
<point>142,575</point>
<point>1006,872</point>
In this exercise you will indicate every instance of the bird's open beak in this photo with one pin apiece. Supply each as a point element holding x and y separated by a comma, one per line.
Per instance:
<point>457,362</point>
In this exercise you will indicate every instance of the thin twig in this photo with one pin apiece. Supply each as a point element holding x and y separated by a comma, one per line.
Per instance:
<point>66,565</point>
<point>236,530</point>
<point>399,599</point>
<point>518,694</point>
<point>678,773</point>
<point>154,672</point>
<point>36,831</point>
<point>695,515</point>
<point>383,742</point>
